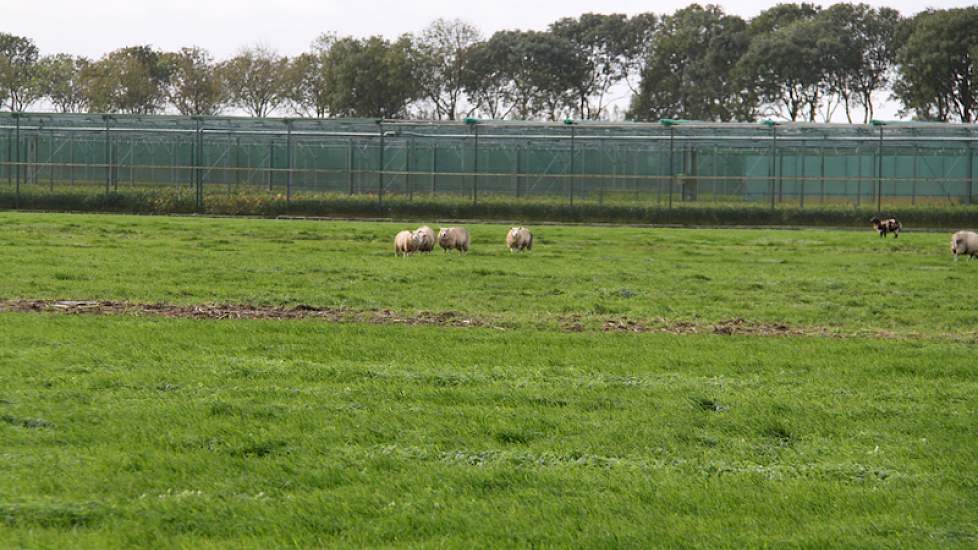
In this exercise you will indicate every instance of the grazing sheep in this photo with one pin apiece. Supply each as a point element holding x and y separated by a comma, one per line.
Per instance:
<point>889,225</point>
<point>519,238</point>
<point>406,243</point>
<point>964,242</point>
<point>427,238</point>
<point>454,237</point>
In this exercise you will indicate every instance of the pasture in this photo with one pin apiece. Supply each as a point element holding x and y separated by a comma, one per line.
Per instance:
<point>623,387</point>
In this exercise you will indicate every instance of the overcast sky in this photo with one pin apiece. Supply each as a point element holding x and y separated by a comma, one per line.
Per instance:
<point>92,28</point>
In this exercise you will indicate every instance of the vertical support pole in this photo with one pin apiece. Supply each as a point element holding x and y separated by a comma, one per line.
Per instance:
<point>17,159</point>
<point>349,164</point>
<point>573,167</point>
<point>475,167</point>
<point>132,163</point>
<point>198,163</point>
<point>879,174</point>
<point>716,158</point>
<point>380,163</point>
<point>10,157</point>
<point>913,185</point>
<point>672,171</point>
<point>289,162</point>
<point>781,177</point>
<point>71,159</point>
<point>434,167</point>
<point>772,168</point>
<point>614,177</point>
<point>971,173</point>
<point>51,160</point>
<point>859,178</point>
<point>821,174</point>
<point>237,163</point>
<point>519,169</point>
<point>801,189</point>
<point>271,163</point>
<point>32,154</point>
<point>408,165</point>
<point>114,155</point>
<point>108,156</point>
<point>658,180</point>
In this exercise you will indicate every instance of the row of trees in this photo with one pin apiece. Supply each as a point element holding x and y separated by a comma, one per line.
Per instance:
<point>792,61</point>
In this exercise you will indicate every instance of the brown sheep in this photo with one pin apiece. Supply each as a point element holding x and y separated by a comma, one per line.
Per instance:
<point>519,238</point>
<point>454,238</point>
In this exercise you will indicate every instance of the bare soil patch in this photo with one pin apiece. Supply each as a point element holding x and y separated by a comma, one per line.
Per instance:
<point>575,323</point>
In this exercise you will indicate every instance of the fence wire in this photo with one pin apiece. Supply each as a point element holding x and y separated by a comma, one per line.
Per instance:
<point>685,163</point>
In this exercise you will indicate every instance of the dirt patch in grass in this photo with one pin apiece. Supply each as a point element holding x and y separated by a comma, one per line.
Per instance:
<point>234,311</point>
<point>728,327</point>
<point>575,323</point>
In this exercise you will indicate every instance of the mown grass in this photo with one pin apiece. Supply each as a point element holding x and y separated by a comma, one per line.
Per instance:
<point>843,281</point>
<point>149,432</point>
<point>122,431</point>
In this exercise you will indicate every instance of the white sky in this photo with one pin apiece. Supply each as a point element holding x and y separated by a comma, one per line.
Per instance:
<point>92,28</point>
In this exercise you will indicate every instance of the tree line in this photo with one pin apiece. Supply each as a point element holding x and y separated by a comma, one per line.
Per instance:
<point>792,61</point>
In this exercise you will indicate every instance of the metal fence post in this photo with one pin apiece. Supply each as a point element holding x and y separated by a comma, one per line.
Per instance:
<point>408,167</point>
<point>108,155</point>
<point>434,167</point>
<point>271,163</point>
<point>573,168</point>
<point>71,160</point>
<point>51,160</point>
<point>380,163</point>
<point>879,173</point>
<point>715,174</point>
<point>198,163</point>
<point>475,167</point>
<point>821,174</point>
<point>17,159</point>
<point>971,173</point>
<point>801,189</point>
<point>10,155</point>
<point>237,163</point>
<point>519,169</point>
<point>913,185</point>
<point>772,168</point>
<point>289,161</point>
<point>672,171</point>
<point>349,164</point>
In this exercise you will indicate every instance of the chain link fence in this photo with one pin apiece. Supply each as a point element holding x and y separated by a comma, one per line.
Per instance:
<point>667,165</point>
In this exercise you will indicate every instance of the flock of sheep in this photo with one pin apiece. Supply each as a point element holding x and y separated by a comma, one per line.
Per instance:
<point>423,239</point>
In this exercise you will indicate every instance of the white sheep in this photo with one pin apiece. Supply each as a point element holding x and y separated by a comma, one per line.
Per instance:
<point>519,238</point>
<point>964,242</point>
<point>406,242</point>
<point>454,238</point>
<point>427,238</point>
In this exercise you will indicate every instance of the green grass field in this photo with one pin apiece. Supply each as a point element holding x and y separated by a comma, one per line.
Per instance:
<point>535,428</point>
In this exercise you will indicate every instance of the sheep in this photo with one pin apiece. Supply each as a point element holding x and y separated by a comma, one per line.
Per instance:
<point>519,238</point>
<point>406,242</point>
<point>964,242</point>
<point>427,239</point>
<point>454,237</point>
<point>890,225</point>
